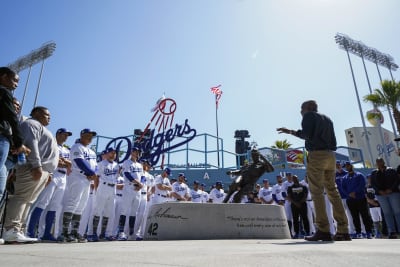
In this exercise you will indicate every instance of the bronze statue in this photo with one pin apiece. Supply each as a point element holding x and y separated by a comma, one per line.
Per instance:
<point>248,176</point>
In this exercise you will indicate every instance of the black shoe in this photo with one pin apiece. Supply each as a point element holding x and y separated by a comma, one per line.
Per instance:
<point>392,236</point>
<point>82,239</point>
<point>342,237</point>
<point>319,236</point>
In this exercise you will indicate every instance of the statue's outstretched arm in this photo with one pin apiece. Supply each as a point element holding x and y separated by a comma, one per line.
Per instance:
<point>266,162</point>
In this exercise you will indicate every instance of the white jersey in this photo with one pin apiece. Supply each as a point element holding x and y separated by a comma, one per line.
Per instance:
<point>265,194</point>
<point>60,173</point>
<point>204,197</point>
<point>120,180</point>
<point>135,170</point>
<point>150,185</point>
<point>217,196</point>
<point>277,191</point>
<point>108,172</point>
<point>164,181</point>
<point>147,180</point>
<point>196,195</point>
<point>302,182</point>
<point>79,151</point>
<point>285,186</point>
<point>181,189</point>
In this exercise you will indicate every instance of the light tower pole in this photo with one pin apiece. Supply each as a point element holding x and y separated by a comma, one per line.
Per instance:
<point>27,61</point>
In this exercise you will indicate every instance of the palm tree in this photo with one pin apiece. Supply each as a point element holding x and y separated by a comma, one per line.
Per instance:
<point>282,144</point>
<point>389,96</point>
<point>276,153</point>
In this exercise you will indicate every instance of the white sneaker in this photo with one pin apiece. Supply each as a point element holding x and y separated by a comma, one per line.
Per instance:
<point>13,236</point>
<point>122,237</point>
<point>1,241</point>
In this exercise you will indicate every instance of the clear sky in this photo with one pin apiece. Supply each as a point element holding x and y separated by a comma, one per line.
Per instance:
<point>114,59</point>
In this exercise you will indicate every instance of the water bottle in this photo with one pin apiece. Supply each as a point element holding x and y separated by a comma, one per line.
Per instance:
<point>21,158</point>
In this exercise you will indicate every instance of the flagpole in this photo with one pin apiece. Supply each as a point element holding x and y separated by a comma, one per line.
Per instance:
<point>216,122</point>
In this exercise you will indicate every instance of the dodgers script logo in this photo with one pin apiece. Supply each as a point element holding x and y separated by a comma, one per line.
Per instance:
<point>165,139</point>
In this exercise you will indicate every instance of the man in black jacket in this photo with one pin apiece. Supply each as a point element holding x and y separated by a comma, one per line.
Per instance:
<point>10,134</point>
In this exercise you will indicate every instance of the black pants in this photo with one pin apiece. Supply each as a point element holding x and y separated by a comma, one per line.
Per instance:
<point>359,207</point>
<point>300,212</point>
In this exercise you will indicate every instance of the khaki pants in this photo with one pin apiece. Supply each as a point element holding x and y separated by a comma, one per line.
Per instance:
<point>321,177</point>
<point>26,192</point>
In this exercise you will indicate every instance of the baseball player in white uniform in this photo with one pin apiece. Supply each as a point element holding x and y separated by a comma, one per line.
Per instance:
<point>86,222</point>
<point>288,209</point>
<point>162,187</point>
<point>118,206</point>
<point>50,199</point>
<point>180,190</point>
<point>310,207</point>
<point>205,195</point>
<point>277,191</point>
<point>195,193</point>
<point>132,171</point>
<point>78,183</point>
<point>147,180</point>
<point>108,171</point>
<point>217,194</point>
<point>265,193</point>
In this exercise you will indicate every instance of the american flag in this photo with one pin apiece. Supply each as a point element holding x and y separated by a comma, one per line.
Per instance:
<point>217,92</point>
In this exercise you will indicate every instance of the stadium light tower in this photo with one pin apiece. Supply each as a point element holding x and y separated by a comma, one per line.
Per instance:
<point>27,61</point>
<point>359,49</point>
<point>364,52</point>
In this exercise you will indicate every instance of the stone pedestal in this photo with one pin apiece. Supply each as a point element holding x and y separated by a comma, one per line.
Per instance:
<point>191,221</point>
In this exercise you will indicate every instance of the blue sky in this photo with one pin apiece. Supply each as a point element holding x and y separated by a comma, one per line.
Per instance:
<point>114,59</point>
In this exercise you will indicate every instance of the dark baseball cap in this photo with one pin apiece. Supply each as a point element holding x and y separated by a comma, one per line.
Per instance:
<point>135,148</point>
<point>63,130</point>
<point>145,161</point>
<point>218,183</point>
<point>346,163</point>
<point>87,130</point>
<point>168,171</point>
<point>196,182</point>
<point>108,150</point>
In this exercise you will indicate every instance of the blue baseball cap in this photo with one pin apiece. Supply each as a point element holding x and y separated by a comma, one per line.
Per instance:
<point>87,130</point>
<point>203,184</point>
<point>135,149</point>
<point>108,150</point>
<point>145,161</point>
<point>63,130</point>
<point>338,162</point>
<point>346,163</point>
<point>218,183</point>
<point>168,171</point>
<point>181,174</point>
<point>288,173</point>
<point>196,182</point>
<point>265,181</point>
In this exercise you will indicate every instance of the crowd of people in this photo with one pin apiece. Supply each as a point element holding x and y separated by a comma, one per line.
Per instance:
<point>62,194</point>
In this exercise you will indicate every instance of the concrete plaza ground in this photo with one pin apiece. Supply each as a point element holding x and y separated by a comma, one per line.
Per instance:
<point>246,252</point>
